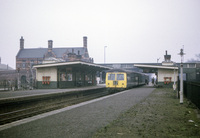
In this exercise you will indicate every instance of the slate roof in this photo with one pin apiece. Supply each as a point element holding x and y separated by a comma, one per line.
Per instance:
<point>40,52</point>
<point>5,67</point>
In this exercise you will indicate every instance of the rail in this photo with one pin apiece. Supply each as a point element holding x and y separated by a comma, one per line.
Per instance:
<point>18,113</point>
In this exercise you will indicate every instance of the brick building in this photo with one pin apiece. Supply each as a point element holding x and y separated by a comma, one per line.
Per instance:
<point>26,58</point>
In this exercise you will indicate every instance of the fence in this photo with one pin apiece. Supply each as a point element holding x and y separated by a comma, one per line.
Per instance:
<point>192,92</point>
<point>13,80</point>
<point>8,85</point>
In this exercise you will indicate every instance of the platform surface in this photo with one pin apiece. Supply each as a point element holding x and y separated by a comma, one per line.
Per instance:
<point>81,120</point>
<point>36,92</point>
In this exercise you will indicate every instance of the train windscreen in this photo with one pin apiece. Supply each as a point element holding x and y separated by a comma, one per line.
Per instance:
<point>120,76</point>
<point>111,76</point>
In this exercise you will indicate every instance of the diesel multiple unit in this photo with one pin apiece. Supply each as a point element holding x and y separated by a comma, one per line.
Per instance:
<point>122,79</point>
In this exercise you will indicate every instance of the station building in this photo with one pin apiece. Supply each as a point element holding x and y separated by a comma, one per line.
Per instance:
<point>27,57</point>
<point>67,74</point>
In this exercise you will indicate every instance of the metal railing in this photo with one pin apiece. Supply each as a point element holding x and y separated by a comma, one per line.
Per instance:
<point>192,92</point>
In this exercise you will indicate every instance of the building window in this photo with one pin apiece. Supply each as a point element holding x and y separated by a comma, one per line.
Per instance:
<point>185,65</point>
<point>18,65</point>
<point>63,76</point>
<point>192,66</point>
<point>69,77</point>
<point>40,62</point>
<point>32,63</point>
<point>23,64</point>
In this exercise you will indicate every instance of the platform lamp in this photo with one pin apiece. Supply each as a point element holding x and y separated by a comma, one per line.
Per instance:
<point>181,77</point>
<point>18,79</point>
<point>105,54</point>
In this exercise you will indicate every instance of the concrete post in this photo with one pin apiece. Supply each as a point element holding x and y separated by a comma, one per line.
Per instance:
<point>174,86</point>
<point>181,84</point>
<point>181,77</point>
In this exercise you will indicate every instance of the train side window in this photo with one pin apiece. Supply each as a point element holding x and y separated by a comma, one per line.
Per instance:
<point>111,76</point>
<point>120,76</point>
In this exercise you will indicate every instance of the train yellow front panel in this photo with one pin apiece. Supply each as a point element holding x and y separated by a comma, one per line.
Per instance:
<point>116,80</point>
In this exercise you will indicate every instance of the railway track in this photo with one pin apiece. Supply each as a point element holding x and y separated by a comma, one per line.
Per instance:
<point>58,103</point>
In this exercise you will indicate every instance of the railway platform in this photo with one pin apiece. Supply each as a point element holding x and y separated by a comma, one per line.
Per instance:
<point>79,120</point>
<point>14,96</point>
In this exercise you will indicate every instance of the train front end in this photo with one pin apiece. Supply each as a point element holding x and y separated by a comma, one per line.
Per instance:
<point>116,80</point>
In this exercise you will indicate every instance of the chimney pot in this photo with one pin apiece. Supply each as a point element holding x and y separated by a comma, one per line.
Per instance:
<point>22,43</point>
<point>85,41</point>
<point>50,45</point>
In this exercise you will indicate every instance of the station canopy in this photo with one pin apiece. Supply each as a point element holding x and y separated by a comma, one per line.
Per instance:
<point>78,64</point>
<point>154,68</point>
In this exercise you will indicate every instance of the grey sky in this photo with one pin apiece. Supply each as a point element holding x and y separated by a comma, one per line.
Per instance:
<point>132,30</point>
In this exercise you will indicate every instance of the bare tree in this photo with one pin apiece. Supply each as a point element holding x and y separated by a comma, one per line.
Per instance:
<point>197,59</point>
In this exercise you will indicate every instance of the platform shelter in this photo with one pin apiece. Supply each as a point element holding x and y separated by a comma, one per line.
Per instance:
<point>67,74</point>
<point>166,76</point>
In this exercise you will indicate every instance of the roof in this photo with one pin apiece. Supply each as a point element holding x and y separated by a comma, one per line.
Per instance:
<point>155,66</point>
<point>70,63</point>
<point>127,71</point>
<point>40,52</point>
<point>5,67</point>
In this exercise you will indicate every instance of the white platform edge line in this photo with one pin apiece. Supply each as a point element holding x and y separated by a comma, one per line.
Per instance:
<point>27,120</point>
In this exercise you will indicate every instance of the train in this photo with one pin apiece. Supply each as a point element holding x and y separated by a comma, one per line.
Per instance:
<point>118,79</point>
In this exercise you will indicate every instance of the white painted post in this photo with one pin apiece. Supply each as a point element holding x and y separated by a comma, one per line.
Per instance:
<point>181,77</point>
<point>181,85</point>
<point>174,86</point>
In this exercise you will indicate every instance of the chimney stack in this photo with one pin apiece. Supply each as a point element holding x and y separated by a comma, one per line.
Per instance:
<point>50,45</point>
<point>167,57</point>
<point>22,43</point>
<point>85,41</point>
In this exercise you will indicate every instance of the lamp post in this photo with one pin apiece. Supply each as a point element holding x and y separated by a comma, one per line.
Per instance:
<point>18,80</point>
<point>105,54</point>
<point>181,77</point>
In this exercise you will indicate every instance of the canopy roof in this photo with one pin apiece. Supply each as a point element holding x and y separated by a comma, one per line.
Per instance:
<point>100,67</point>
<point>155,66</point>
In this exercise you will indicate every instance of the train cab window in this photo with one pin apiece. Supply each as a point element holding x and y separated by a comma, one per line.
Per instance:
<point>111,76</point>
<point>120,76</point>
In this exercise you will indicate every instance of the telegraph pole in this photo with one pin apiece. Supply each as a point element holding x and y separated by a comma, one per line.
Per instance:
<point>181,77</point>
<point>158,60</point>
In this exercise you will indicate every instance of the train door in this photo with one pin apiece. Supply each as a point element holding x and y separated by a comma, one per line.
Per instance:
<point>121,80</point>
<point>110,80</point>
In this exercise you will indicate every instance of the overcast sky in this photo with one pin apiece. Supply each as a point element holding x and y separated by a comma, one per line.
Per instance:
<point>134,31</point>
